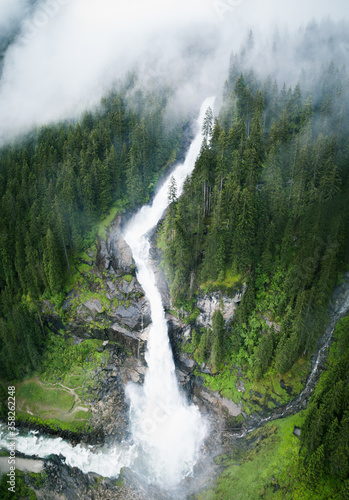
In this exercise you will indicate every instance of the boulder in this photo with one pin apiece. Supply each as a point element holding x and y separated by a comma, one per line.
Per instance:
<point>133,372</point>
<point>187,364</point>
<point>211,302</point>
<point>128,340</point>
<point>214,401</point>
<point>103,258</point>
<point>118,250</point>
<point>93,305</point>
<point>127,286</point>
<point>136,316</point>
<point>297,431</point>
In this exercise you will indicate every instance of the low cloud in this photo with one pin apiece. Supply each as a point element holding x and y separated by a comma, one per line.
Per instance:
<point>68,52</point>
<point>11,11</point>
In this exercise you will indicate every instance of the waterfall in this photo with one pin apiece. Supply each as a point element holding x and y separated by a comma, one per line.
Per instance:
<point>165,428</point>
<point>167,431</point>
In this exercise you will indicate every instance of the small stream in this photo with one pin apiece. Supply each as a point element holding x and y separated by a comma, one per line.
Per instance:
<point>339,307</point>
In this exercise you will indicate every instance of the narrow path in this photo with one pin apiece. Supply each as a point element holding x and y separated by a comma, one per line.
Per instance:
<point>46,384</point>
<point>49,386</point>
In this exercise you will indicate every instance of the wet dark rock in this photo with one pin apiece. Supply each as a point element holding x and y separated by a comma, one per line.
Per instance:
<point>297,431</point>
<point>188,363</point>
<point>131,342</point>
<point>119,252</point>
<point>92,437</point>
<point>108,368</point>
<point>286,388</point>
<point>136,316</point>
<point>138,483</point>
<point>54,323</point>
<point>103,258</point>
<point>63,481</point>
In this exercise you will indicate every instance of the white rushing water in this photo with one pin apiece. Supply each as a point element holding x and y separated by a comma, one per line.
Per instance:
<point>167,431</point>
<point>107,461</point>
<point>165,428</point>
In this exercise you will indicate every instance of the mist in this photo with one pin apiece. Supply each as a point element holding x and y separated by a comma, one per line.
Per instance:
<point>11,12</point>
<point>65,54</point>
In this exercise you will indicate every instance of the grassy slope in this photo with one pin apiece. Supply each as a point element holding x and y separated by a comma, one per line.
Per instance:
<point>264,394</point>
<point>56,397</point>
<point>51,404</point>
<point>270,468</point>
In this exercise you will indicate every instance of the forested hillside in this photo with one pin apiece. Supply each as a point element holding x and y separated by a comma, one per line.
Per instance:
<point>55,184</point>
<point>267,205</point>
<point>267,211</point>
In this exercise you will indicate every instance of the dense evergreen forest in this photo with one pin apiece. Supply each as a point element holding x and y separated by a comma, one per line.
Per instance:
<point>267,206</point>
<point>55,184</point>
<point>326,427</point>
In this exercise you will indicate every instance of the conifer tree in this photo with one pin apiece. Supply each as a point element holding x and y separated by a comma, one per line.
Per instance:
<point>52,263</point>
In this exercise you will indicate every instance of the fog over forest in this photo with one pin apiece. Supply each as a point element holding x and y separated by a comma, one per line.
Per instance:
<point>60,56</point>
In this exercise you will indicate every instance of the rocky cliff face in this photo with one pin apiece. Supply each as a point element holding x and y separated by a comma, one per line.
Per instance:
<point>218,409</point>
<point>209,303</point>
<point>107,301</point>
<point>210,403</point>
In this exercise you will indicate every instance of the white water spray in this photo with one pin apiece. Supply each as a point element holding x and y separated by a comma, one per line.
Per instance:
<point>166,429</point>
<point>107,461</point>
